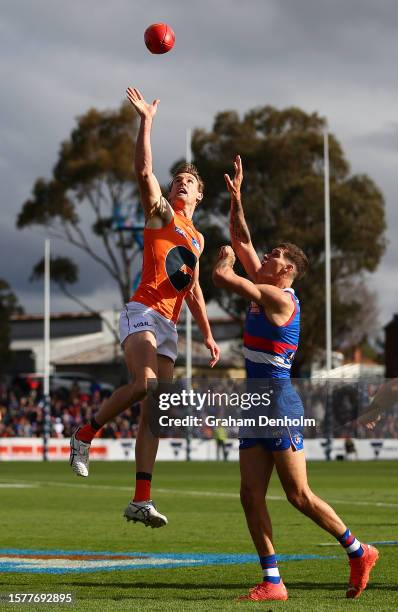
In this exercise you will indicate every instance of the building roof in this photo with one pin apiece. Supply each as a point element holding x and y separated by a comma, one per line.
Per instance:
<point>231,356</point>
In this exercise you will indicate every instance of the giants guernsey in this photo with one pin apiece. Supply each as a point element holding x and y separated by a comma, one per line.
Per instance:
<point>170,256</point>
<point>269,349</point>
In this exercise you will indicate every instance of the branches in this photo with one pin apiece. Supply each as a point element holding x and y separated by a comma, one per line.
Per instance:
<point>93,171</point>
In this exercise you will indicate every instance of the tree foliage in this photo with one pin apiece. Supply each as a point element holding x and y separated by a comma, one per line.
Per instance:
<point>8,306</point>
<point>93,176</point>
<point>283,195</point>
<point>283,198</point>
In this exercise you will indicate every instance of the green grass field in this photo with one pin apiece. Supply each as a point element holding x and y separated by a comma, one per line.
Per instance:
<point>60,511</point>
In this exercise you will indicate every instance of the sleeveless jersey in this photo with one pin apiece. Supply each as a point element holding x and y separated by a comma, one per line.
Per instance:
<point>170,256</point>
<point>269,349</point>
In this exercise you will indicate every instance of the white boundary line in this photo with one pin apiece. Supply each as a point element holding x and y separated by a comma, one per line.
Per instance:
<point>189,492</point>
<point>18,486</point>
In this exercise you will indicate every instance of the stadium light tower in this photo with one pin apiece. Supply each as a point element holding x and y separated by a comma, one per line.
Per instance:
<point>46,344</point>
<point>188,315</point>
<point>128,218</point>
<point>328,286</point>
<point>328,292</point>
<point>188,318</point>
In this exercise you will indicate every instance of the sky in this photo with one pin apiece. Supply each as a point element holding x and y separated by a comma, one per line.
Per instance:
<point>57,59</point>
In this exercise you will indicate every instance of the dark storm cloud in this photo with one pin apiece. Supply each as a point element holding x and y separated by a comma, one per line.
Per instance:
<point>57,59</point>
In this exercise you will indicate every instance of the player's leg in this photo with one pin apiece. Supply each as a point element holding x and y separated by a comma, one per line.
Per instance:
<point>147,444</point>
<point>292,472</point>
<point>256,465</point>
<point>141,507</point>
<point>141,360</point>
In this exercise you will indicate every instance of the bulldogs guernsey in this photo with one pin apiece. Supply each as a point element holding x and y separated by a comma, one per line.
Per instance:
<point>269,349</point>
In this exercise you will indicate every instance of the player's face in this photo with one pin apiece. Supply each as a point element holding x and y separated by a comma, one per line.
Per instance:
<point>184,190</point>
<point>274,265</point>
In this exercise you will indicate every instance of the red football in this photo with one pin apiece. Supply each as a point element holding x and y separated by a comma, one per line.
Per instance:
<point>159,38</point>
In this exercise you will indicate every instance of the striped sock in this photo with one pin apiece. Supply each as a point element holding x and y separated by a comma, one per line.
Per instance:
<point>351,544</point>
<point>269,566</point>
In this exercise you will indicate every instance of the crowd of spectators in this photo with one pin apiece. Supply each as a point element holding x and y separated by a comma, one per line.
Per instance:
<point>336,413</point>
<point>22,412</point>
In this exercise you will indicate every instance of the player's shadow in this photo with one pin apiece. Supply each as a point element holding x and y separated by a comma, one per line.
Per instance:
<point>158,585</point>
<point>336,586</point>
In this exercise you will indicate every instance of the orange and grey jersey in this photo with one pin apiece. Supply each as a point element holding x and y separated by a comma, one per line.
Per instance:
<point>170,257</point>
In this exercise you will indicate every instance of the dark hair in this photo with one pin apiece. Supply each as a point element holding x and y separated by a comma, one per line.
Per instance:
<point>294,254</point>
<point>189,169</point>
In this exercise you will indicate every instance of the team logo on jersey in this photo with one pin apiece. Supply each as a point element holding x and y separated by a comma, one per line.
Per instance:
<point>180,231</point>
<point>254,308</point>
<point>180,265</point>
<point>196,244</point>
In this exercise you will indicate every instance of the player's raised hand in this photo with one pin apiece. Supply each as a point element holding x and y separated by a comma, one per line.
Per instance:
<point>234,185</point>
<point>141,106</point>
<point>227,253</point>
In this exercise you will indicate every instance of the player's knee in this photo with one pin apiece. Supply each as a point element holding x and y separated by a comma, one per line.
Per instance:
<point>300,498</point>
<point>143,386</point>
<point>250,497</point>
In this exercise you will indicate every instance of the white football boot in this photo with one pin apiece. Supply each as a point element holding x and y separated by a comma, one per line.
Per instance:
<point>79,458</point>
<point>145,512</point>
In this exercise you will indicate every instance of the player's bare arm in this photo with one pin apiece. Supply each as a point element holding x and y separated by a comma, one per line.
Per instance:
<point>240,234</point>
<point>197,305</point>
<point>277,303</point>
<point>155,205</point>
<point>383,401</point>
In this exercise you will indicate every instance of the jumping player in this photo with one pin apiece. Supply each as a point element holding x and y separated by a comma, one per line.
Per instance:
<point>270,342</point>
<point>172,247</point>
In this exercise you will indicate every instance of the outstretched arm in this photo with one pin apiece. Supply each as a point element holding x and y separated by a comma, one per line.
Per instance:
<point>197,305</point>
<point>150,192</point>
<point>240,235</point>
<point>277,303</point>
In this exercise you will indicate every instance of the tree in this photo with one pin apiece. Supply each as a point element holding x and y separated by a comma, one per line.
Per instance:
<point>8,306</point>
<point>92,178</point>
<point>282,152</point>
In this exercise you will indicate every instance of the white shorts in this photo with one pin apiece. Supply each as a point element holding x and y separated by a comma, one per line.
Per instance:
<point>136,317</point>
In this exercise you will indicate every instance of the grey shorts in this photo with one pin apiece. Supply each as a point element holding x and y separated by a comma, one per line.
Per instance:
<point>136,317</point>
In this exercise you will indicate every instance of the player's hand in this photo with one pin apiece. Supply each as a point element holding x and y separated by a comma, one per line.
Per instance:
<point>234,185</point>
<point>214,350</point>
<point>143,108</point>
<point>227,253</point>
<point>369,422</point>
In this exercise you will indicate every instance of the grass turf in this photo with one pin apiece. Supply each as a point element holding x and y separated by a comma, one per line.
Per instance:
<point>201,501</point>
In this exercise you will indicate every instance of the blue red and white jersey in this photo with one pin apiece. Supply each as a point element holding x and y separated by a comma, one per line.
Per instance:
<point>269,349</point>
